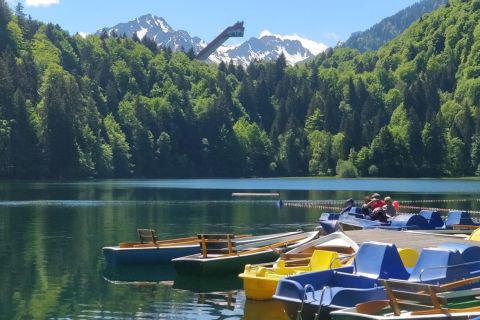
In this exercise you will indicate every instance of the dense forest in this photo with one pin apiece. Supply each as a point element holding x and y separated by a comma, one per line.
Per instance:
<point>387,29</point>
<point>74,107</point>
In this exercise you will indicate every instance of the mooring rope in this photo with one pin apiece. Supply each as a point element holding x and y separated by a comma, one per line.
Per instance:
<point>334,204</point>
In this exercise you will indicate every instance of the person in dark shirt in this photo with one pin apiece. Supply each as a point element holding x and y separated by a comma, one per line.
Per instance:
<point>350,203</point>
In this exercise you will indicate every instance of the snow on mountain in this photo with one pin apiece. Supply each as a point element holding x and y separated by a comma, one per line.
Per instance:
<point>157,29</point>
<point>267,47</point>
<point>312,46</point>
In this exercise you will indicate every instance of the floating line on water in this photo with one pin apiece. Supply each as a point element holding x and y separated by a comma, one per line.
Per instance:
<point>332,204</point>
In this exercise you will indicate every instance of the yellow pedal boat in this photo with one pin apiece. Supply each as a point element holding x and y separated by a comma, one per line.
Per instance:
<point>331,251</point>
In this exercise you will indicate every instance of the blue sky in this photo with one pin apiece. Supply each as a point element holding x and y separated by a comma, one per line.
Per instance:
<point>325,21</point>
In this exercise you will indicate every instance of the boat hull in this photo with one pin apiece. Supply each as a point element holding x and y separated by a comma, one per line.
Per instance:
<point>147,255</point>
<point>224,265</point>
<point>259,288</point>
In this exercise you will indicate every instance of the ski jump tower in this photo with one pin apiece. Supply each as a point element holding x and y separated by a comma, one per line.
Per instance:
<point>233,31</point>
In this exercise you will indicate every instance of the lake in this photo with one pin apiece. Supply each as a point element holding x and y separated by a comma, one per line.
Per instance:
<point>51,235</point>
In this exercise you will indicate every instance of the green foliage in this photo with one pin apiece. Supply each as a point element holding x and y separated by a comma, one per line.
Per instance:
<point>112,107</point>
<point>4,147</point>
<point>389,28</point>
<point>346,169</point>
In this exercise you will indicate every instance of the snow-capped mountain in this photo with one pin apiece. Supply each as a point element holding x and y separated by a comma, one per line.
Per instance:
<point>269,47</point>
<point>157,29</point>
<point>266,47</point>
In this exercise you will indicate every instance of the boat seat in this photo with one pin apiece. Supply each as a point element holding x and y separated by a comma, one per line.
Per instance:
<point>423,295</point>
<point>216,243</point>
<point>147,235</point>
<point>323,260</point>
<point>409,257</point>
<point>379,261</point>
<point>433,217</point>
<point>470,254</point>
<point>437,265</point>
<point>456,217</point>
<point>409,221</point>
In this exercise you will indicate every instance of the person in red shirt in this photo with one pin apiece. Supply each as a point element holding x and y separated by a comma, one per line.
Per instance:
<point>376,207</point>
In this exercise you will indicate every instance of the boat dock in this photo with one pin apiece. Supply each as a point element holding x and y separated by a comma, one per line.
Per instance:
<point>255,194</point>
<point>406,239</point>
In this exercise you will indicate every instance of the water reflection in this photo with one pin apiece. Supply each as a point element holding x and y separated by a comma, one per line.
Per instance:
<point>260,310</point>
<point>131,274</point>
<point>51,235</point>
<point>204,284</point>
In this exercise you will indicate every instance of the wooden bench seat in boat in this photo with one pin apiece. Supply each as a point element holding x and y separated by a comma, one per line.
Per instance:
<point>217,243</point>
<point>147,235</point>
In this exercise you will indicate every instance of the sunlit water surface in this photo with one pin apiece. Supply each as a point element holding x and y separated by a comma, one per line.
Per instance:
<point>51,235</point>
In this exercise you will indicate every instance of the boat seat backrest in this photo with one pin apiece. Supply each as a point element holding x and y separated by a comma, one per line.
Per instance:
<point>323,260</point>
<point>409,220</point>
<point>406,292</point>
<point>379,260</point>
<point>439,266</point>
<point>433,217</point>
<point>217,243</point>
<point>409,257</point>
<point>147,235</point>
<point>458,217</point>
<point>470,254</point>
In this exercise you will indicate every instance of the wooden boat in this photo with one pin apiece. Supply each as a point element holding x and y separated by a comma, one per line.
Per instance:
<point>150,250</point>
<point>235,256</point>
<point>407,300</point>
<point>321,292</point>
<point>260,281</point>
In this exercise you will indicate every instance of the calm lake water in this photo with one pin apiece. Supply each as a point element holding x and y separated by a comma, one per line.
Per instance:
<point>51,235</point>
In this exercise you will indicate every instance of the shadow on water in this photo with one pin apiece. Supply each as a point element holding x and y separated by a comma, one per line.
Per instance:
<point>139,274</point>
<point>206,284</point>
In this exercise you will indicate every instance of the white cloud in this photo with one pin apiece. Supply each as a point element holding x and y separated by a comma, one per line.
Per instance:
<point>312,46</point>
<point>83,34</point>
<point>41,3</point>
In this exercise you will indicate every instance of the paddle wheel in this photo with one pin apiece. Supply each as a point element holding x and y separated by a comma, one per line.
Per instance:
<point>233,31</point>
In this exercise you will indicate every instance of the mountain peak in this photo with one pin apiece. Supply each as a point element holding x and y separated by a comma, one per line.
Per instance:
<point>153,20</point>
<point>267,47</point>
<point>157,29</point>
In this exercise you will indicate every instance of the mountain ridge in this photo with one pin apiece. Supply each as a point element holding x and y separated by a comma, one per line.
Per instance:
<point>267,47</point>
<point>388,28</point>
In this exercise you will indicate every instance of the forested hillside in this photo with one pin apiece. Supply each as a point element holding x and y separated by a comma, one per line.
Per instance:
<point>112,107</point>
<point>387,29</point>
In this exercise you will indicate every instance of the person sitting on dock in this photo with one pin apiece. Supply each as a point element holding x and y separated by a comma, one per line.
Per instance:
<point>389,208</point>
<point>349,204</point>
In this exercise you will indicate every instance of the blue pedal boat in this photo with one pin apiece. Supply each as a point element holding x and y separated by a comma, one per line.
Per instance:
<point>429,220</point>
<point>324,291</point>
<point>342,287</point>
